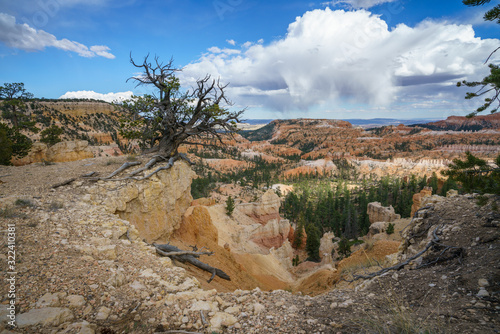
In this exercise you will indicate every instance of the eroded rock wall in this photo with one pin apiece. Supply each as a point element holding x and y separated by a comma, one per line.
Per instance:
<point>264,210</point>
<point>155,205</point>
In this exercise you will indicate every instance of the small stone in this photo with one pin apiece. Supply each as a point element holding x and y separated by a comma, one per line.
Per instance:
<point>185,320</point>
<point>308,303</point>
<point>483,282</point>
<point>232,310</point>
<point>136,285</point>
<point>87,310</point>
<point>103,313</point>
<point>482,293</point>
<point>432,285</point>
<point>48,300</point>
<point>83,327</point>
<point>106,252</point>
<point>222,319</point>
<point>76,300</point>
<point>258,308</point>
<point>333,305</point>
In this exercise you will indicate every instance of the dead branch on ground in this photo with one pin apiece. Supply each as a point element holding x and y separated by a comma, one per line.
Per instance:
<point>190,257</point>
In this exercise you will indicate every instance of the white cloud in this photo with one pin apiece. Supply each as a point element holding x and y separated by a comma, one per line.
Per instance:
<point>358,3</point>
<point>332,57</point>
<point>231,41</point>
<point>88,94</point>
<point>225,51</point>
<point>24,37</point>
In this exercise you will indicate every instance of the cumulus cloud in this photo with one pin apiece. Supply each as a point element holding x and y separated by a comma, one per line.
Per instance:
<point>88,94</point>
<point>329,57</point>
<point>358,3</point>
<point>231,41</point>
<point>24,37</point>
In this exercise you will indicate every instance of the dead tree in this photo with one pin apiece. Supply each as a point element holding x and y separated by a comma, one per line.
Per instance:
<point>190,257</point>
<point>171,117</point>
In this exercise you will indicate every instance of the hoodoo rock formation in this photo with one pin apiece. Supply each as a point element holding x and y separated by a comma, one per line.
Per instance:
<point>417,199</point>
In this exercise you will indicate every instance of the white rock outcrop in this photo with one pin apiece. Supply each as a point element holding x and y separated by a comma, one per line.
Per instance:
<point>378,213</point>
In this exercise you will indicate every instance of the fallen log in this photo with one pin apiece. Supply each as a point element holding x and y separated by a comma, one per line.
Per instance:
<point>190,257</point>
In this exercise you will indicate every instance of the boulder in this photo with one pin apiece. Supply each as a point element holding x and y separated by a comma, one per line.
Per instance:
<point>155,206</point>
<point>378,227</point>
<point>69,151</point>
<point>378,213</point>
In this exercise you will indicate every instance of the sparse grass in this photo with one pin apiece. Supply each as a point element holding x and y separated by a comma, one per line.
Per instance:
<point>131,157</point>
<point>10,212</point>
<point>7,212</point>
<point>482,200</point>
<point>24,203</point>
<point>400,317</point>
<point>54,206</point>
<point>368,245</point>
<point>112,162</point>
<point>365,264</point>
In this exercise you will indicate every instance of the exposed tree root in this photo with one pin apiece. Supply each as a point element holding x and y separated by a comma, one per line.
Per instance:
<point>132,175</point>
<point>190,257</point>
<point>60,184</point>
<point>126,165</point>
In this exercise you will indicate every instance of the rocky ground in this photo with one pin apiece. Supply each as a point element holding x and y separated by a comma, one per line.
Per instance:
<point>80,269</point>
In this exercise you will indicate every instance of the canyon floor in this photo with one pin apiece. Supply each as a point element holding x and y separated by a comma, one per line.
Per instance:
<point>80,269</point>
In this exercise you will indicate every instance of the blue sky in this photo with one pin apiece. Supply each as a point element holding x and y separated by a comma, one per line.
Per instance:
<point>283,59</point>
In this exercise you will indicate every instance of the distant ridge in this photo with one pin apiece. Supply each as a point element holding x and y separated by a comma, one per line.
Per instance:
<point>365,123</point>
<point>461,123</point>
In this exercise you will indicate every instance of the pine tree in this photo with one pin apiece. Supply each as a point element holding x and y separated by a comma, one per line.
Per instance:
<point>313,242</point>
<point>229,206</point>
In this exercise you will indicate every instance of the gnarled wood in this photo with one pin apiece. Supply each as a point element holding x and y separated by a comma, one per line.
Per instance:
<point>190,257</point>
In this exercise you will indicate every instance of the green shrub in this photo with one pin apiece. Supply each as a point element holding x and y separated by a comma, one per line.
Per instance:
<point>390,229</point>
<point>24,203</point>
<point>482,200</point>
